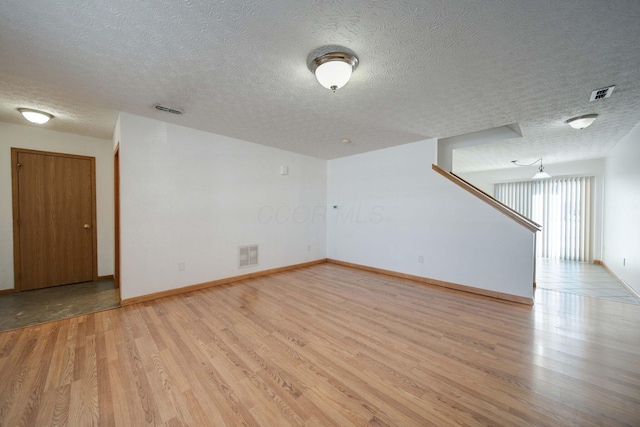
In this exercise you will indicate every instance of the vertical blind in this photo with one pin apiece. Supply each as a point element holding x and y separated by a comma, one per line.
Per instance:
<point>562,207</point>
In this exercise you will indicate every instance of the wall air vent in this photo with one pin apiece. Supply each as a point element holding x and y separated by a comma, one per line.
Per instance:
<point>167,109</point>
<point>603,93</point>
<point>247,256</point>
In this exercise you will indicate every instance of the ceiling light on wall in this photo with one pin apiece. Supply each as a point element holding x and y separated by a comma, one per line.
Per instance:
<point>582,122</point>
<point>333,69</point>
<point>541,174</point>
<point>35,116</point>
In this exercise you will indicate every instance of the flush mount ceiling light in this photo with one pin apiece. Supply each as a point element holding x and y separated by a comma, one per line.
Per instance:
<point>541,174</point>
<point>333,69</point>
<point>35,116</point>
<point>582,122</point>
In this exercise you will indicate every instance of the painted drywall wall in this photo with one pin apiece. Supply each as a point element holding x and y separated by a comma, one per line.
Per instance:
<point>116,134</point>
<point>594,167</point>
<point>39,138</point>
<point>391,209</point>
<point>622,209</point>
<point>193,197</point>
<point>447,146</point>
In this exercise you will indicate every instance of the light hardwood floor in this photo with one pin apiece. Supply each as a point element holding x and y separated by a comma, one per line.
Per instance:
<point>328,345</point>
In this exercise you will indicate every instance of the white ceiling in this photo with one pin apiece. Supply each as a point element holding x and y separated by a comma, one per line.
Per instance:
<point>428,68</point>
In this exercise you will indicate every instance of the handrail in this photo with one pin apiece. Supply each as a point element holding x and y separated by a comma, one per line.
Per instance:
<point>490,200</point>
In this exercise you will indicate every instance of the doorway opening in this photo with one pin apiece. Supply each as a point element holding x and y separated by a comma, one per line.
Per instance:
<point>564,258</point>
<point>55,240</point>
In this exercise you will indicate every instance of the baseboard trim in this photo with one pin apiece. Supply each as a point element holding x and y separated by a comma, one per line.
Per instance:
<point>107,277</point>
<point>598,262</point>
<point>441,283</point>
<point>232,279</point>
<point>629,288</point>
<point>226,280</point>
<point>7,291</point>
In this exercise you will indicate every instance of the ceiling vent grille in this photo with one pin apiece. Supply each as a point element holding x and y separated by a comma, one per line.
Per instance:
<point>247,256</point>
<point>603,93</point>
<point>167,109</point>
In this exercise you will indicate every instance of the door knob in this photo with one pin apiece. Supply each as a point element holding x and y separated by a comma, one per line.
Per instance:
<point>87,226</point>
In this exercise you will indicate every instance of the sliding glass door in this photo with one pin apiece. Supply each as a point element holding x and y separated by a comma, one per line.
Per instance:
<point>562,206</point>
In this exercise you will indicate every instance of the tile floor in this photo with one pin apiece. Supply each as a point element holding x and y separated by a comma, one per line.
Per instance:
<point>43,305</point>
<point>580,278</point>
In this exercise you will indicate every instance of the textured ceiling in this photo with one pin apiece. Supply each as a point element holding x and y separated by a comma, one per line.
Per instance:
<point>427,69</point>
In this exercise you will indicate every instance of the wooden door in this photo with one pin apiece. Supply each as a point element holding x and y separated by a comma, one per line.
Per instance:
<point>54,219</point>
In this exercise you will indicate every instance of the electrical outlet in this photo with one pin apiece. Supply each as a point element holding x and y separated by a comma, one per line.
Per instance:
<point>624,262</point>
<point>308,248</point>
<point>181,266</point>
<point>421,259</point>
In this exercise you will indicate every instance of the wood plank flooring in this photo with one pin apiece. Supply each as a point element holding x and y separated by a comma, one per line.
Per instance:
<point>328,346</point>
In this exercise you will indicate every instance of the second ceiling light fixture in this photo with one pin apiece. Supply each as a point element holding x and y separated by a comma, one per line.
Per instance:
<point>541,174</point>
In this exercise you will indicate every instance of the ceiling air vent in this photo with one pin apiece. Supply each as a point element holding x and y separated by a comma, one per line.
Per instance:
<point>167,109</point>
<point>605,92</point>
<point>247,256</point>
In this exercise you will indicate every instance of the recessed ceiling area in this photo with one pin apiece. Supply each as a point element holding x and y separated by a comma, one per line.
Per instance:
<point>426,69</point>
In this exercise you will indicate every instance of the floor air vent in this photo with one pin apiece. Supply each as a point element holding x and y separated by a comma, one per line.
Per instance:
<point>603,93</point>
<point>247,256</point>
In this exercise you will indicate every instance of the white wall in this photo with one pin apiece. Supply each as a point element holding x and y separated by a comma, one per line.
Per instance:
<point>622,209</point>
<point>447,147</point>
<point>37,138</point>
<point>194,197</point>
<point>116,134</point>
<point>595,167</point>
<point>392,208</point>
